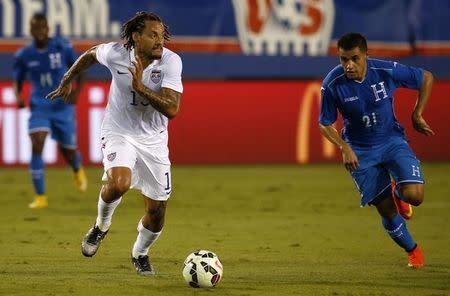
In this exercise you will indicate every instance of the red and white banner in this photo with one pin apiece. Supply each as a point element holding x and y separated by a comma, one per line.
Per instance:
<point>229,122</point>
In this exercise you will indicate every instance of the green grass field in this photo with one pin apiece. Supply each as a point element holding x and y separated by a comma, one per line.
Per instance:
<point>278,230</point>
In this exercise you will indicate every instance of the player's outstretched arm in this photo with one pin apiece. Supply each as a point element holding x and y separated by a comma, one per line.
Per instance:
<point>75,93</point>
<point>349,157</point>
<point>418,121</point>
<point>166,101</point>
<point>86,60</point>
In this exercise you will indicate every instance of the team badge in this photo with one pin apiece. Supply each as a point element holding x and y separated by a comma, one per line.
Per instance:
<point>288,27</point>
<point>155,76</point>
<point>111,156</point>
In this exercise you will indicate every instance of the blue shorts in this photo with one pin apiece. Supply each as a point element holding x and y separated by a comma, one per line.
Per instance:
<point>61,124</point>
<point>378,164</point>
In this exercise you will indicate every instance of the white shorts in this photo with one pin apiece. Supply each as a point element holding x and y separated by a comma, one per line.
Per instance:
<point>150,165</point>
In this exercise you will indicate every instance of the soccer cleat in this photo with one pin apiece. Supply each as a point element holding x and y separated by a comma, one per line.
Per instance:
<point>92,240</point>
<point>415,258</point>
<point>40,202</point>
<point>404,209</point>
<point>80,180</point>
<point>143,265</point>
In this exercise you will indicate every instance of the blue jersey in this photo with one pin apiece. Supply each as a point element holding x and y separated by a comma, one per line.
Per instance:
<point>367,106</point>
<point>45,69</point>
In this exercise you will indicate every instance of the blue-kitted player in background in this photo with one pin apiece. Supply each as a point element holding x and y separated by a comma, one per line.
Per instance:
<point>45,61</point>
<point>373,143</point>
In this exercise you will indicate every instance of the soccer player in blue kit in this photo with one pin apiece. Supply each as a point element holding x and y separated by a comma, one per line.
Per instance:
<point>373,143</point>
<point>45,61</point>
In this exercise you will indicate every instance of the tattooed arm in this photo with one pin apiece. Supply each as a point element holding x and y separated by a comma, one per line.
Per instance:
<point>166,101</point>
<point>86,60</point>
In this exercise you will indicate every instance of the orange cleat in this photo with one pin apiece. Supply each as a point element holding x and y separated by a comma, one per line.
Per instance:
<point>404,209</point>
<point>415,258</point>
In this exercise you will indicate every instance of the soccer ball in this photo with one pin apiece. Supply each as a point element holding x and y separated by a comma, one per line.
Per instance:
<point>202,269</point>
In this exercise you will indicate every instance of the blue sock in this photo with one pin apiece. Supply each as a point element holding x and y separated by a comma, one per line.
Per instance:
<point>76,162</point>
<point>37,173</point>
<point>396,228</point>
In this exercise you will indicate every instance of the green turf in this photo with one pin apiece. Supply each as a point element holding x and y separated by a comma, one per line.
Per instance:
<point>278,230</point>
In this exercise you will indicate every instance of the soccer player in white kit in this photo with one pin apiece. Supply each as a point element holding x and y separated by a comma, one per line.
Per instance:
<point>145,93</point>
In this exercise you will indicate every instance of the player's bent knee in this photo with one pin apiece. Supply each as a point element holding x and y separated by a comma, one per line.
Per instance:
<point>416,200</point>
<point>120,185</point>
<point>413,194</point>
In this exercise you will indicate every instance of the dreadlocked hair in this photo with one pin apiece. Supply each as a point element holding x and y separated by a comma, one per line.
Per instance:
<point>137,24</point>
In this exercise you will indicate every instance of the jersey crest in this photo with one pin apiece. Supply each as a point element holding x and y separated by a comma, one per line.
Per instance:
<point>155,76</point>
<point>111,156</point>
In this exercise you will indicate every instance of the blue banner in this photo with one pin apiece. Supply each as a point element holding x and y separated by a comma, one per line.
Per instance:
<point>272,38</point>
<point>253,21</point>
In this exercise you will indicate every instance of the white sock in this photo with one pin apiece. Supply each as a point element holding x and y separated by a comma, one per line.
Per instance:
<point>105,212</point>
<point>144,240</point>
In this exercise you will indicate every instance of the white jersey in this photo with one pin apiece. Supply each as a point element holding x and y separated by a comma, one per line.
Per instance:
<point>127,113</point>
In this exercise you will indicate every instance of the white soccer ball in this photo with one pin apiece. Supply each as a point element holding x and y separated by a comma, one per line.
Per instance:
<point>202,269</point>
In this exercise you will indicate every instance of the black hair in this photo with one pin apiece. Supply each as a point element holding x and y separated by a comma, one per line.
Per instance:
<point>39,17</point>
<point>137,24</point>
<point>351,40</point>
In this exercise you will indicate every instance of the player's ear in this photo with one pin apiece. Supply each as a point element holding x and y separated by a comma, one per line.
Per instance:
<point>135,36</point>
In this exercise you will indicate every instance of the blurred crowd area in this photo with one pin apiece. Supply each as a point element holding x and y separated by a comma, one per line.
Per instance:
<point>248,39</point>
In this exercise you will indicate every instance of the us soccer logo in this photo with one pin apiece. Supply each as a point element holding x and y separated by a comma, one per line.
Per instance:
<point>111,156</point>
<point>289,27</point>
<point>155,76</point>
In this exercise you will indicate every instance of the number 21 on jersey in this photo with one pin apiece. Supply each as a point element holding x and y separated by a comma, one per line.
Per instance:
<point>370,120</point>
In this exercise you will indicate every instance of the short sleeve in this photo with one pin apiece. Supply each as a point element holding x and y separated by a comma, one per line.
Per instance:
<point>19,67</point>
<point>405,76</point>
<point>172,74</point>
<point>102,53</point>
<point>328,109</point>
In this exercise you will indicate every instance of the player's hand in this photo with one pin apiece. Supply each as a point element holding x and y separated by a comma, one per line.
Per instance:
<point>62,91</point>
<point>136,73</point>
<point>349,158</point>
<point>21,103</point>
<point>421,125</point>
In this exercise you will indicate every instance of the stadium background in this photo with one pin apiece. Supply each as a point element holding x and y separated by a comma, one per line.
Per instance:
<point>252,71</point>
